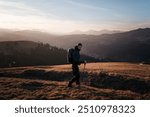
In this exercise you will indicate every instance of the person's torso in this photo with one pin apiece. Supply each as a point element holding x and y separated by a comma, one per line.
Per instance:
<point>77,54</point>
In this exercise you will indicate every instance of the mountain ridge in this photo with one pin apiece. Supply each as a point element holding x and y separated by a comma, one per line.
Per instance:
<point>95,32</point>
<point>124,46</point>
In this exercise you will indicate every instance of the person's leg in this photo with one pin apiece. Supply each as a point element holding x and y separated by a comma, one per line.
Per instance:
<point>77,76</point>
<point>72,81</point>
<point>74,75</point>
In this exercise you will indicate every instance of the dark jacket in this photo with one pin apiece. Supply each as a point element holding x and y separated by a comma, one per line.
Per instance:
<point>76,56</point>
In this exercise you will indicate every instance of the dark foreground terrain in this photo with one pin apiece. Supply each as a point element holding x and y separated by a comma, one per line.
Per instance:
<point>99,81</point>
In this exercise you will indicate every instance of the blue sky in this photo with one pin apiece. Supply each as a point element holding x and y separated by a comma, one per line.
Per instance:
<point>61,16</point>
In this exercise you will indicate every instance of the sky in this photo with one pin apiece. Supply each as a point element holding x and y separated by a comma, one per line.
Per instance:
<point>63,16</point>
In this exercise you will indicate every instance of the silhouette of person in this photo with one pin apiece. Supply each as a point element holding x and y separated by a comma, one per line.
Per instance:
<point>76,61</point>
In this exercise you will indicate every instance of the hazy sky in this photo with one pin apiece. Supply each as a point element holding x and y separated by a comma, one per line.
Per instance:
<point>69,15</point>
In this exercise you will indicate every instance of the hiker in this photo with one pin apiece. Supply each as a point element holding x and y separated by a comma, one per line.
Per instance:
<point>75,60</point>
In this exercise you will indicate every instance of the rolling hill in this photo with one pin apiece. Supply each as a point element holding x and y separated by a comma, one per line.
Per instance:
<point>27,53</point>
<point>129,46</point>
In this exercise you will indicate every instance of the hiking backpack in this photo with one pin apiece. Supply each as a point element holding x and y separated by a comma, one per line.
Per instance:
<point>70,55</point>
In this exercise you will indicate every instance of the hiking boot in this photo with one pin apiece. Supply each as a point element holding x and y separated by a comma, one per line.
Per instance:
<point>69,85</point>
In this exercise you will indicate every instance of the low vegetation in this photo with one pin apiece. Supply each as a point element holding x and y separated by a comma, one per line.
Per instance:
<point>99,81</point>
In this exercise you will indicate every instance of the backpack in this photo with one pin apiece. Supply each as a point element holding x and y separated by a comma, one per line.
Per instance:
<point>70,55</point>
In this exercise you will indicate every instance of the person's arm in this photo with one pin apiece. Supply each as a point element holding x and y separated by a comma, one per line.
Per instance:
<point>77,59</point>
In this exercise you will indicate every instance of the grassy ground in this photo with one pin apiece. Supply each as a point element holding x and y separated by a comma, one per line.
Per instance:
<point>99,81</point>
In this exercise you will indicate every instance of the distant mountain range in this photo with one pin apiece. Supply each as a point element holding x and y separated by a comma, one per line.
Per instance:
<point>132,45</point>
<point>94,32</point>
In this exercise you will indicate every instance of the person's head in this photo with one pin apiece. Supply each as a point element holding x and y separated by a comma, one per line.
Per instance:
<point>79,46</point>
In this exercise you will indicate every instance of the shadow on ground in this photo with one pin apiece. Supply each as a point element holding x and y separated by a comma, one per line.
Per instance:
<point>31,86</point>
<point>104,80</point>
<point>98,80</point>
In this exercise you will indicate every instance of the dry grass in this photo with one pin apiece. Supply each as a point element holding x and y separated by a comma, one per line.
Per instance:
<point>14,88</point>
<point>100,81</point>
